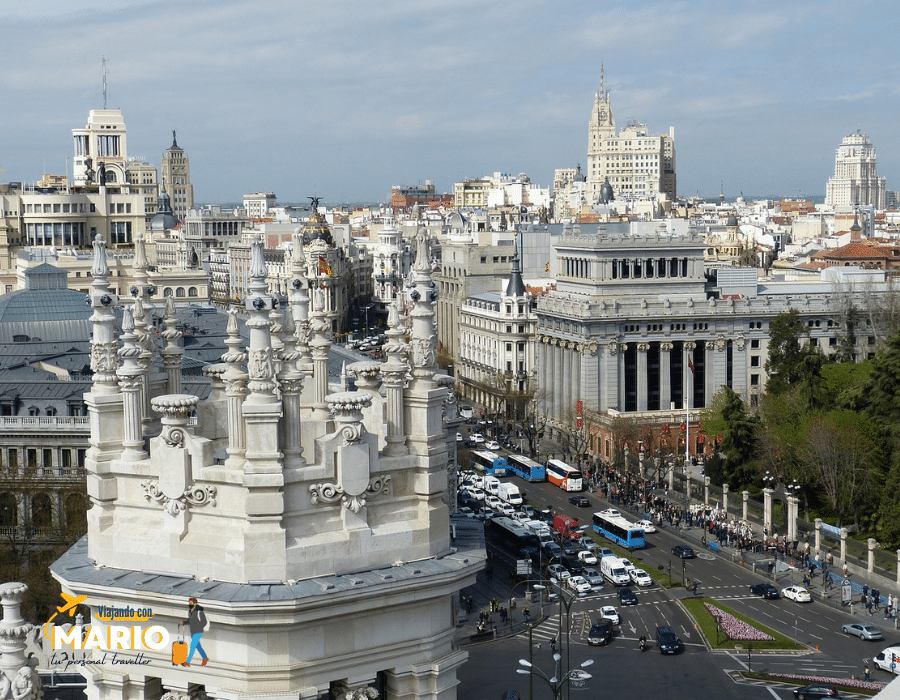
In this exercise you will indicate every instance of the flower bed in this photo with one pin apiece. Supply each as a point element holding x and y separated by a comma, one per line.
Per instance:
<point>844,682</point>
<point>737,629</point>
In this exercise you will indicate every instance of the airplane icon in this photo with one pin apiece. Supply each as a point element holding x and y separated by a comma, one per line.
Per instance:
<point>71,603</point>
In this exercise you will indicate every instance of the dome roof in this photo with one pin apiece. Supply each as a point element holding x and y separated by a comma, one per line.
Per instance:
<point>732,221</point>
<point>316,229</point>
<point>606,192</point>
<point>165,219</point>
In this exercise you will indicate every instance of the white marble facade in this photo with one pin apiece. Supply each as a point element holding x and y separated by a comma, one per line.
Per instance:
<point>312,527</point>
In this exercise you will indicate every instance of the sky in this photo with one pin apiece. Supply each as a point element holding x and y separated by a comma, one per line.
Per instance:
<point>344,99</point>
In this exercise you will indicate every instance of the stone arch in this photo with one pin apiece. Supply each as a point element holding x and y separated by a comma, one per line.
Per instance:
<point>192,291</point>
<point>41,510</point>
<point>167,292</point>
<point>9,510</point>
<point>179,292</point>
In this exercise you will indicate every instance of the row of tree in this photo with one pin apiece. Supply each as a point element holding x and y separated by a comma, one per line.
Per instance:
<point>828,424</point>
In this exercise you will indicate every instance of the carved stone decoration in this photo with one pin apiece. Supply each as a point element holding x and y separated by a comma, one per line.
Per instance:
<point>612,347</point>
<point>721,343</point>
<point>195,496</point>
<point>18,679</point>
<point>334,493</point>
<point>345,692</point>
<point>643,347</point>
<point>739,343</point>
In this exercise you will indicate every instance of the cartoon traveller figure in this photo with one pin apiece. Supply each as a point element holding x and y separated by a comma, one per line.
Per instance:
<point>196,621</point>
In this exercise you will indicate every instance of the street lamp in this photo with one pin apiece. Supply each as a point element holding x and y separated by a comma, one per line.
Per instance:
<point>555,682</point>
<point>536,587</point>
<point>567,602</point>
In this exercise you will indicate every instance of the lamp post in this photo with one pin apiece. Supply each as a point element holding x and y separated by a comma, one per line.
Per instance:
<point>536,587</point>
<point>567,602</point>
<point>555,682</point>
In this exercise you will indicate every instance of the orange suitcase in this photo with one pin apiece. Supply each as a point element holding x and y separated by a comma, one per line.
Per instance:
<point>179,650</point>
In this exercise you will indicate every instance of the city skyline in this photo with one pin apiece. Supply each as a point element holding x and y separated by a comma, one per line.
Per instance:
<point>346,100</point>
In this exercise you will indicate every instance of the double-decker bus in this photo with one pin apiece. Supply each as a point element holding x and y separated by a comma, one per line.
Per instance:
<point>566,477</point>
<point>619,530</point>
<point>527,468</point>
<point>509,541</point>
<point>488,462</point>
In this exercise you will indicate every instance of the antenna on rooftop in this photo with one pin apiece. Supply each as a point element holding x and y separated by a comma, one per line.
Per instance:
<point>104,81</point>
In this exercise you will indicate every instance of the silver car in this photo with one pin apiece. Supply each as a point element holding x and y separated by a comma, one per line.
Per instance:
<point>862,631</point>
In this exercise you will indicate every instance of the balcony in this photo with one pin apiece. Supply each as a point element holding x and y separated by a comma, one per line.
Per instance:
<point>66,424</point>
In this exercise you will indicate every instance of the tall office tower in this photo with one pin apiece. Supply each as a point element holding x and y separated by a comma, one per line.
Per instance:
<point>176,179</point>
<point>312,524</point>
<point>636,163</point>
<point>855,178</point>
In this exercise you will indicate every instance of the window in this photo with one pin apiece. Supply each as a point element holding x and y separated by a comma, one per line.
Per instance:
<point>754,380</point>
<point>754,344</point>
<point>754,360</point>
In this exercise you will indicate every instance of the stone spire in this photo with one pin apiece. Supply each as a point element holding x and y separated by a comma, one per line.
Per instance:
<point>290,378</point>
<point>235,391</point>
<point>320,347</point>
<point>300,302</point>
<point>259,303</point>
<point>422,293</point>
<point>173,352</point>
<point>103,339</point>
<point>395,374</point>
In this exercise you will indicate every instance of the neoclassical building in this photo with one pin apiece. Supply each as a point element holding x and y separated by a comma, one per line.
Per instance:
<point>313,526</point>
<point>634,328</point>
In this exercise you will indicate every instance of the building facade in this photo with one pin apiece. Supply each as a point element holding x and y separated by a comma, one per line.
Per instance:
<point>176,178</point>
<point>855,180</point>
<point>636,163</point>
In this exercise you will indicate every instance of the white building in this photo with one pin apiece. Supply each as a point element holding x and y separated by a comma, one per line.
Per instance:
<point>637,164</point>
<point>855,180</point>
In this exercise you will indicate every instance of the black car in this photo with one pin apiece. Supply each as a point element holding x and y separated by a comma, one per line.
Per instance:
<point>683,551</point>
<point>627,596</point>
<point>766,590</point>
<point>579,501</point>
<point>667,641</point>
<point>601,632</point>
<point>816,690</point>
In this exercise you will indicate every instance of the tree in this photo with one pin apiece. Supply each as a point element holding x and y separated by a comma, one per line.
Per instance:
<point>738,439</point>
<point>841,452</point>
<point>785,351</point>
<point>625,431</point>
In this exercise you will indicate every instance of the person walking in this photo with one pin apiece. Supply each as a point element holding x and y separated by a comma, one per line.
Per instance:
<point>196,622</point>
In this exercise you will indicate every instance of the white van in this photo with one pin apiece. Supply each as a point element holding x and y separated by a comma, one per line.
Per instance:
<point>509,493</point>
<point>614,571</point>
<point>888,658</point>
<point>491,485</point>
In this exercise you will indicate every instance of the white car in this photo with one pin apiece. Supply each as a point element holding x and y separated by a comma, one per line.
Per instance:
<point>459,437</point>
<point>611,512</point>
<point>477,438</point>
<point>475,493</point>
<point>641,577</point>
<point>558,571</point>
<point>507,510</point>
<point>587,557</point>
<point>578,584</point>
<point>628,566</point>
<point>594,577</point>
<point>610,613</point>
<point>521,517</point>
<point>492,501</point>
<point>647,526</point>
<point>796,593</point>
<point>492,445</point>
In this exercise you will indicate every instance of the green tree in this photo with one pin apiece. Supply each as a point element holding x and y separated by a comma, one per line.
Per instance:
<point>738,439</point>
<point>786,350</point>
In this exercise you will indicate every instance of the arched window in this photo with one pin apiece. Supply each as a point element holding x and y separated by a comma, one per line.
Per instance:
<point>9,512</point>
<point>167,292</point>
<point>41,510</point>
<point>192,292</point>
<point>179,292</point>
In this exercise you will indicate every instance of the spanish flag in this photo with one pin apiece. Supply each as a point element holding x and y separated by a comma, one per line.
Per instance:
<point>324,267</point>
<point>691,364</point>
<point>547,267</point>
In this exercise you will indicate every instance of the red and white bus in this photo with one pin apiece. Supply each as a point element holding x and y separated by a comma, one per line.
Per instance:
<point>566,477</point>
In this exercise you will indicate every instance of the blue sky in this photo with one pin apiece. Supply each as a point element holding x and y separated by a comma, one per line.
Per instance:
<point>345,99</point>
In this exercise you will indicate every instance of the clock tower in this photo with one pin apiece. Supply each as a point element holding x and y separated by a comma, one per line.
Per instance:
<point>601,128</point>
<point>176,178</point>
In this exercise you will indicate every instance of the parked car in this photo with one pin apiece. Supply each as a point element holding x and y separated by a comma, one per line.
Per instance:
<point>610,613</point>
<point>667,641</point>
<point>796,593</point>
<point>601,632</point>
<point>587,557</point>
<point>816,690</point>
<point>593,577</point>
<point>580,501</point>
<point>627,596</point>
<point>647,526</point>
<point>683,551</point>
<point>862,631</point>
<point>766,590</point>
<point>641,577</point>
<point>578,584</point>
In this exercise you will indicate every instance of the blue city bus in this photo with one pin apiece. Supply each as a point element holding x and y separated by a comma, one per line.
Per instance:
<point>527,468</point>
<point>489,462</point>
<point>619,530</point>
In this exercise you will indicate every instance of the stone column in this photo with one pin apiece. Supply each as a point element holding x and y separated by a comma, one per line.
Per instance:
<point>394,374</point>
<point>725,499</point>
<point>290,378</point>
<point>235,391</point>
<point>131,382</point>
<point>665,375</point>
<point>767,509</point>
<point>706,490</point>
<point>792,502</point>
<point>623,348</point>
<point>14,630</point>
<point>642,349</point>
<point>844,533</point>
<point>671,468</point>
<point>871,542</point>
<point>818,522</point>
<point>746,499</point>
